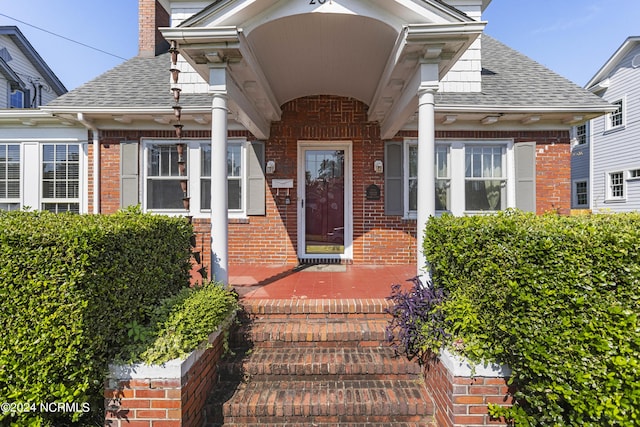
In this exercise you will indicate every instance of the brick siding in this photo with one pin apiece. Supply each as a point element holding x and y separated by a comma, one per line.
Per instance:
<point>463,401</point>
<point>164,402</point>
<point>377,238</point>
<point>151,16</point>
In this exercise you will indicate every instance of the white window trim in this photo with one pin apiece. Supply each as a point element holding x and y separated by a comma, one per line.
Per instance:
<point>587,136</point>
<point>83,158</point>
<point>31,178</point>
<point>193,176</point>
<point>609,197</point>
<point>456,172</point>
<point>575,193</point>
<point>608,117</point>
<point>15,200</point>
<point>631,177</point>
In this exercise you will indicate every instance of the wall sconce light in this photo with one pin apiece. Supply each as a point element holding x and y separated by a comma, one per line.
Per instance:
<point>271,166</point>
<point>377,166</point>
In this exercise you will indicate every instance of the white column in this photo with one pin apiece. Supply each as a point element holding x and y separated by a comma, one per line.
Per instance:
<point>219,202</point>
<point>426,168</point>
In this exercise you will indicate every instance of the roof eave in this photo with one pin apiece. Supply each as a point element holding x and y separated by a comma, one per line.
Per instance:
<point>604,71</point>
<point>28,50</point>
<point>524,109</point>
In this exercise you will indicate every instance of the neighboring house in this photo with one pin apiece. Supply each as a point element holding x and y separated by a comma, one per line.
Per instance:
<point>26,81</point>
<point>323,131</point>
<point>606,162</point>
<point>30,155</point>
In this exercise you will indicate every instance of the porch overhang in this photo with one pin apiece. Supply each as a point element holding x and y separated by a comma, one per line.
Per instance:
<point>331,54</point>
<point>396,97</point>
<point>251,100</point>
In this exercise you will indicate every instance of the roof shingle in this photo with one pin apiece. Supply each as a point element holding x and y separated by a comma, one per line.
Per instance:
<point>510,79</point>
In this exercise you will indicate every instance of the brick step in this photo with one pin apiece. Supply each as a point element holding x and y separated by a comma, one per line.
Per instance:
<point>328,424</point>
<point>317,308</point>
<point>309,402</point>
<point>313,332</point>
<point>336,363</point>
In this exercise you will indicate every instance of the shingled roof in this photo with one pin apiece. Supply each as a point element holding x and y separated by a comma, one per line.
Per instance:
<point>140,82</point>
<point>509,79</point>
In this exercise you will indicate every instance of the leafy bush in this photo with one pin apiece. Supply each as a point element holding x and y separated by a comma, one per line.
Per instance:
<point>555,298</point>
<point>69,285</point>
<point>416,327</point>
<point>180,324</point>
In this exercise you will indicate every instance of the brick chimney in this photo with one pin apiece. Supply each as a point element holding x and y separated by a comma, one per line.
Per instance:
<point>151,15</point>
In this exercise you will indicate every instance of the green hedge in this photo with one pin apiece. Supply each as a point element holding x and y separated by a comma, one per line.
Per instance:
<point>69,286</point>
<point>555,298</point>
<point>180,324</point>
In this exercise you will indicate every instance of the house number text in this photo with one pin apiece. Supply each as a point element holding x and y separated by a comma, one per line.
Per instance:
<point>317,1</point>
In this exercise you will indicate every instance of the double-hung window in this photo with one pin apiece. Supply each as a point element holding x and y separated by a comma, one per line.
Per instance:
<point>441,176</point>
<point>169,176</point>
<point>616,118</point>
<point>581,134</point>
<point>61,178</point>
<point>581,194</point>
<point>615,186</point>
<point>470,176</point>
<point>235,175</point>
<point>9,176</point>
<point>164,191</point>
<point>485,181</point>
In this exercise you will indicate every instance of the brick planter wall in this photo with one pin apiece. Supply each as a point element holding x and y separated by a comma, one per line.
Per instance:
<point>462,393</point>
<point>169,395</point>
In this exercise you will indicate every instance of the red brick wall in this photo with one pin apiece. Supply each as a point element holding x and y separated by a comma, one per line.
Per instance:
<point>151,15</point>
<point>156,402</point>
<point>378,239</point>
<point>463,401</point>
<point>553,163</point>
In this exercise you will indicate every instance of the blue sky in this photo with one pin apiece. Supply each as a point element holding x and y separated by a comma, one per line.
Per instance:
<point>572,37</point>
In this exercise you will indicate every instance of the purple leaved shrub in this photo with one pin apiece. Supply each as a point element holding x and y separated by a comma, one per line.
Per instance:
<point>416,328</point>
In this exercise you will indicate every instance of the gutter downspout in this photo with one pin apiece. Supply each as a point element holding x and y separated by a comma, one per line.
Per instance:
<point>96,160</point>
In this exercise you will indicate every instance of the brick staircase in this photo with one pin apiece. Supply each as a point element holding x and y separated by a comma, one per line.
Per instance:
<point>317,363</point>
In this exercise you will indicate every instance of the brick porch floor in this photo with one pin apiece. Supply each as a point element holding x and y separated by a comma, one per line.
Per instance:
<point>317,282</point>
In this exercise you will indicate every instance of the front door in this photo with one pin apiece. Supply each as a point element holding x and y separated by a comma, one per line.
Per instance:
<point>324,196</point>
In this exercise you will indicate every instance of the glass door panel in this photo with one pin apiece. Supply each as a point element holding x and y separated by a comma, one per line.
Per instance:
<point>324,207</point>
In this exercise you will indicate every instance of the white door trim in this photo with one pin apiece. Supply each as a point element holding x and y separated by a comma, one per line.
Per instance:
<point>347,146</point>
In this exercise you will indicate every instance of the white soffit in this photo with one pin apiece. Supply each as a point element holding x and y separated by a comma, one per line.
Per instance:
<point>323,54</point>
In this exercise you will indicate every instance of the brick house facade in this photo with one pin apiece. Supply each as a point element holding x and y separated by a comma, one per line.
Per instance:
<point>495,125</point>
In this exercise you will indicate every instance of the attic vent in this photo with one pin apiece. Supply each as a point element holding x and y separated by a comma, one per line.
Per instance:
<point>635,63</point>
<point>5,55</point>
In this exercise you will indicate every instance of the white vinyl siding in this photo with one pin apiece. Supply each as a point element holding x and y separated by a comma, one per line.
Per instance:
<point>617,150</point>
<point>22,66</point>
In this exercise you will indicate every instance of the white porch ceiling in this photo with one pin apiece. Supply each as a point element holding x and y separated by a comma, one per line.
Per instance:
<point>323,54</point>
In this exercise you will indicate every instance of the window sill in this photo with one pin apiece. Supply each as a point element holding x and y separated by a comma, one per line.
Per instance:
<point>614,201</point>
<point>614,130</point>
